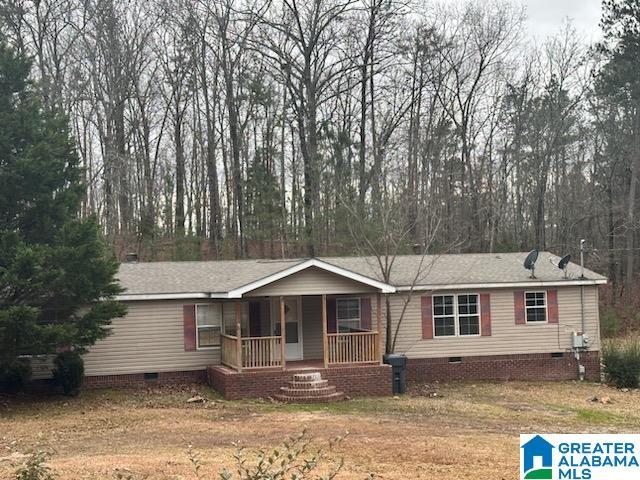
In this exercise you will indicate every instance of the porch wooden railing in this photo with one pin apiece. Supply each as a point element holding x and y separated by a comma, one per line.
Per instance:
<point>257,352</point>
<point>354,347</point>
<point>261,352</point>
<point>229,348</point>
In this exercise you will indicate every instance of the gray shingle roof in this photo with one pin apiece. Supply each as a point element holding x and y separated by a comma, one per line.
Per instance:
<point>467,268</point>
<point>452,269</point>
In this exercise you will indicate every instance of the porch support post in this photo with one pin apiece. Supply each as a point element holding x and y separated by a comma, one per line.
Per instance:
<point>238,335</point>
<point>379,321</point>
<point>283,338</point>
<point>325,339</point>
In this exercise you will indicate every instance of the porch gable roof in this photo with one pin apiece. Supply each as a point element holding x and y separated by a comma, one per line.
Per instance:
<point>233,276</point>
<point>312,262</point>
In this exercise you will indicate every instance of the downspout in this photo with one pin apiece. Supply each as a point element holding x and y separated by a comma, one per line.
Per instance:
<point>582,325</point>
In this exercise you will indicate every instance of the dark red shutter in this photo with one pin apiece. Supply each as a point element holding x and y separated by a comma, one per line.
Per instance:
<point>485,314</point>
<point>427,317</point>
<point>552,306</point>
<point>255,329</point>
<point>189,321</point>
<point>332,326</point>
<point>518,307</point>
<point>365,313</point>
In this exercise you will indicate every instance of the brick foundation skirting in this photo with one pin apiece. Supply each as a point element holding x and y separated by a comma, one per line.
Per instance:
<point>138,380</point>
<point>533,366</point>
<point>353,381</point>
<point>360,380</point>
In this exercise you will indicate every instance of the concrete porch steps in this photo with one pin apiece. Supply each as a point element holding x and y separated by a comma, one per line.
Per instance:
<point>308,388</point>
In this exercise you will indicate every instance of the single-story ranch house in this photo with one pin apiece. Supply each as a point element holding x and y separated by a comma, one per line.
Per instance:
<point>248,326</point>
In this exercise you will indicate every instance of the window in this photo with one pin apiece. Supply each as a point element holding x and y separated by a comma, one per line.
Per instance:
<point>536,306</point>
<point>348,314</point>
<point>456,315</point>
<point>444,319</point>
<point>468,315</point>
<point>209,325</point>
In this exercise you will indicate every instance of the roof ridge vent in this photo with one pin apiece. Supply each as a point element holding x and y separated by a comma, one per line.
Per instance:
<point>279,260</point>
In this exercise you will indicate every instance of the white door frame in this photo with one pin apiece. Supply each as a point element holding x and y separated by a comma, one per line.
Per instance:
<point>275,320</point>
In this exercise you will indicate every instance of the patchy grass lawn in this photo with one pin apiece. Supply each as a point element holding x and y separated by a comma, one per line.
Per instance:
<point>465,431</point>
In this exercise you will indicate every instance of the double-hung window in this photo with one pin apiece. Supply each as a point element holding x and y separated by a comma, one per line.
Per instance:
<point>456,315</point>
<point>348,314</point>
<point>209,325</point>
<point>468,315</point>
<point>444,318</point>
<point>536,306</point>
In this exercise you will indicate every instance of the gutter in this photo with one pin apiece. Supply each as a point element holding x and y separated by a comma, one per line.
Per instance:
<point>467,286</point>
<point>163,296</point>
<point>406,288</point>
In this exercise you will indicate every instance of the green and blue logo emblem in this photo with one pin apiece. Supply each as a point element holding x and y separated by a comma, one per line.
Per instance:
<point>537,459</point>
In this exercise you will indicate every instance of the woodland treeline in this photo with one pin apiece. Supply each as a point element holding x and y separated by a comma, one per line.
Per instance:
<point>227,129</point>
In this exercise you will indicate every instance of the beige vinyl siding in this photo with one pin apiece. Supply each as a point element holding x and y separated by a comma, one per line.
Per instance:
<point>312,281</point>
<point>42,366</point>
<point>506,337</point>
<point>150,338</point>
<point>312,327</point>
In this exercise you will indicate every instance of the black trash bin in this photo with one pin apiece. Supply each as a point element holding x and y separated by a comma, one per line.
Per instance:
<point>398,371</point>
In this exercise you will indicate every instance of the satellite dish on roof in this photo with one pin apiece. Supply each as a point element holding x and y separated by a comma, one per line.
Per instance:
<point>564,263</point>
<point>530,262</point>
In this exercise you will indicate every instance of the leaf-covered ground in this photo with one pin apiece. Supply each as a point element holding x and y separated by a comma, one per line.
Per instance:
<point>452,431</point>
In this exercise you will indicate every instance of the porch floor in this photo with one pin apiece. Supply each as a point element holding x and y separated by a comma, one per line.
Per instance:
<point>297,365</point>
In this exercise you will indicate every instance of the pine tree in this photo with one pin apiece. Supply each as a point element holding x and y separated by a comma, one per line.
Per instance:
<point>56,274</point>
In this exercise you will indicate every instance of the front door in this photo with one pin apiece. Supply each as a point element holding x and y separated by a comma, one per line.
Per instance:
<point>292,327</point>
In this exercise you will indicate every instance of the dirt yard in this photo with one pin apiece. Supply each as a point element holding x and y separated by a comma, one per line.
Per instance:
<point>457,431</point>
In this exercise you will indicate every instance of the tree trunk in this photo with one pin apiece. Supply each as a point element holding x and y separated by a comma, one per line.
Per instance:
<point>180,176</point>
<point>631,201</point>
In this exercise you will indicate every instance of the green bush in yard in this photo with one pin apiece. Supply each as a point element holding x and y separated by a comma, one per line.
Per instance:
<point>297,458</point>
<point>35,467</point>
<point>14,375</point>
<point>68,372</point>
<point>621,360</point>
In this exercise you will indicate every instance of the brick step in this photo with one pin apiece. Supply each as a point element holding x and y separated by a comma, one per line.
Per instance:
<point>307,377</point>
<point>334,397</point>
<point>318,392</point>
<point>309,385</point>
<point>309,388</point>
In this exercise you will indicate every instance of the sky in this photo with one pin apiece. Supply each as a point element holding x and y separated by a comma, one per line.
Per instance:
<point>546,17</point>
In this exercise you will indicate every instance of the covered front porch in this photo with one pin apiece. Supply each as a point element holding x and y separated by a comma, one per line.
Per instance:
<point>294,332</point>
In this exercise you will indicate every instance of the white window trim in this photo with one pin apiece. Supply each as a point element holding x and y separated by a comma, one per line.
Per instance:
<point>456,315</point>
<point>479,315</point>
<point>221,326</point>
<point>338,299</point>
<point>546,308</point>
